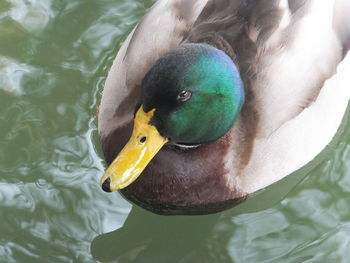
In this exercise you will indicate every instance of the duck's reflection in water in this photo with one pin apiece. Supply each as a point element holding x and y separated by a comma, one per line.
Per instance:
<point>146,237</point>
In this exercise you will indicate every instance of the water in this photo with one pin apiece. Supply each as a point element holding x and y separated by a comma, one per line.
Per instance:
<point>54,57</point>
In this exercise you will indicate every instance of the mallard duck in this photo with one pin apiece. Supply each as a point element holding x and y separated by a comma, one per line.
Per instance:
<point>209,101</point>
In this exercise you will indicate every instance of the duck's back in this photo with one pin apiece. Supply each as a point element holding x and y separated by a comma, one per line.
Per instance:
<point>288,54</point>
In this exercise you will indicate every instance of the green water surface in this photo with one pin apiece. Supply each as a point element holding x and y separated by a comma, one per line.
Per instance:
<point>54,58</point>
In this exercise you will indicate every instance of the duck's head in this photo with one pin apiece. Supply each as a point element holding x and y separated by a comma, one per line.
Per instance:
<point>191,96</point>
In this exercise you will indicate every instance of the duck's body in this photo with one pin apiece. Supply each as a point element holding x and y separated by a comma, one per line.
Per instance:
<point>292,59</point>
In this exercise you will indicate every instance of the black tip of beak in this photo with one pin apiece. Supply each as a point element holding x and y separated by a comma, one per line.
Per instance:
<point>106,186</point>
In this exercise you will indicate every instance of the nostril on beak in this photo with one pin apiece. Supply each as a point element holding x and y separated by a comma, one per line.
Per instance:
<point>106,186</point>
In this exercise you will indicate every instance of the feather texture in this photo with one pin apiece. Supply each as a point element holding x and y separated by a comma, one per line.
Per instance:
<point>292,56</point>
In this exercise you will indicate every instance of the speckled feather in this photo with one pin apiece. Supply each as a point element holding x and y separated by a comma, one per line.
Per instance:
<point>286,87</point>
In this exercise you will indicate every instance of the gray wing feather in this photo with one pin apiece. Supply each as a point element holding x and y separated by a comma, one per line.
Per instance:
<point>239,27</point>
<point>342,22</point>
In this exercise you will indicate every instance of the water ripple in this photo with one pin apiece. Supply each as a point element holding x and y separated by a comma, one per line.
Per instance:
<point>53,61</point>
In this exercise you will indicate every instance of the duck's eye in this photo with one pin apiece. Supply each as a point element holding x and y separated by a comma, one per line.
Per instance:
<point>184,95</point>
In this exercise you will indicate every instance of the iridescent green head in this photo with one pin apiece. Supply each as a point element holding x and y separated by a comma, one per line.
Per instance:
<point>197,93</point>
<point>192,95</point>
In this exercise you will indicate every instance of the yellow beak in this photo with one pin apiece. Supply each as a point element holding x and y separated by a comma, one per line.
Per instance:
<point>143,145</point>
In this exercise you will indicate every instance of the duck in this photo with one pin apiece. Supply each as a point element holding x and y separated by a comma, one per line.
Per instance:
<point>209,101</point>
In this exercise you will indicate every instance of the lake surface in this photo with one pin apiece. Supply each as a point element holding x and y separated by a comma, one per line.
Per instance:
<point>54,58</point>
